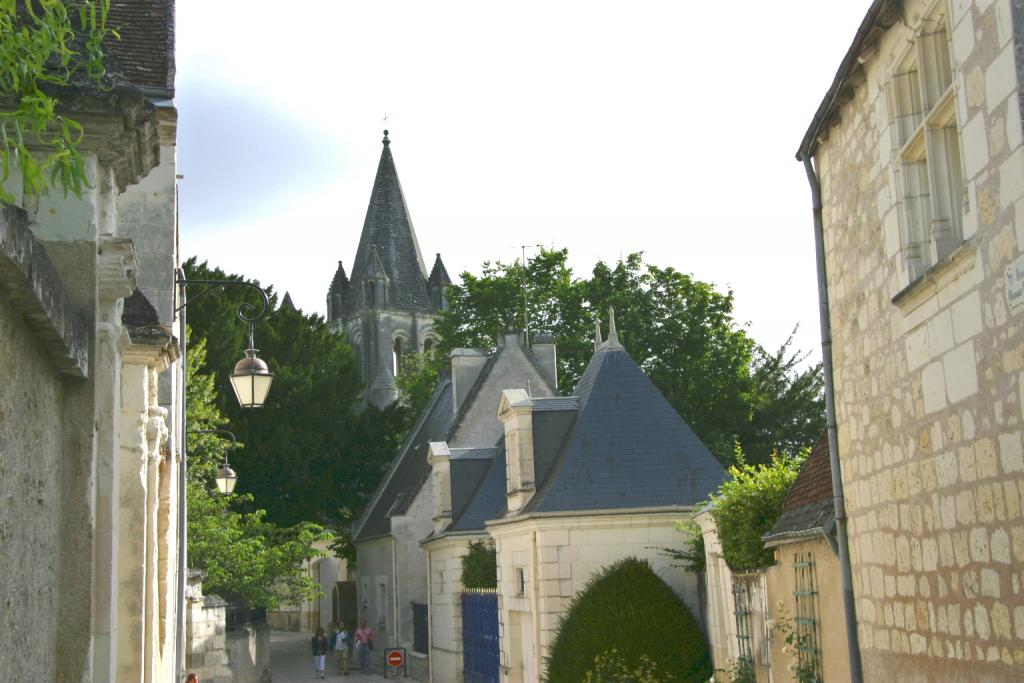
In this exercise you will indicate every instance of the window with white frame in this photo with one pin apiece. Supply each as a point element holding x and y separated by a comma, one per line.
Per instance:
<point>922,102</point>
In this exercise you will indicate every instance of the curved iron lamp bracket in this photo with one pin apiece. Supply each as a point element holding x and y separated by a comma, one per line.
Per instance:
<point>247,312</point>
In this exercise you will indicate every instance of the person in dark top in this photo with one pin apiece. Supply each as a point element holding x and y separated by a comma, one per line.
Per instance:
<point>319,652</point>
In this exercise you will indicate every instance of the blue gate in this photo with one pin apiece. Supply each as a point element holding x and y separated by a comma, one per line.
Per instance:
<point>480,644</point>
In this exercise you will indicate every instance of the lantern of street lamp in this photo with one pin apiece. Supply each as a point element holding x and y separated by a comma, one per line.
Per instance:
<point>226,479</point>
<point>251,379</point>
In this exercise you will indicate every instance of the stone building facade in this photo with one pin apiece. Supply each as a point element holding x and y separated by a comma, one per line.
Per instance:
<point>396,538</point>
<point>389,304</point>
<point>87,440</point>
<point>918,149</point>
<point>570,485</point>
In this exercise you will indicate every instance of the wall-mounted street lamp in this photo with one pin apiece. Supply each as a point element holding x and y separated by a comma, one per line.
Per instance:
<point>250,380</point>
<point>226,477</point>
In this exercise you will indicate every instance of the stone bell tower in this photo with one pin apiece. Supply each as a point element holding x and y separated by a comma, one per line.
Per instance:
<point>387,307</point>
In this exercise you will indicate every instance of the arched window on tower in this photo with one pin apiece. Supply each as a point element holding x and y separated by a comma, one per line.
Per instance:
<point>369,288</point>
<point>428,347</point>
<point>396,356</point>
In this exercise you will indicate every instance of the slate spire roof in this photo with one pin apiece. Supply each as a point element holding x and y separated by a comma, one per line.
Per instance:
<point>438,274</point>
<point>388,231</point>
<point>628,447</point>
<point>286,302</point>
<point>340,280</point>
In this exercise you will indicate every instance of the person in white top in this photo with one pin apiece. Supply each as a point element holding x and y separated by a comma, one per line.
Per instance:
<point>341,643</point>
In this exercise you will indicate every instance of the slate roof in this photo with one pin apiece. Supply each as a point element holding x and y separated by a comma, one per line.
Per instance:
<point>469,466</point>
<point>142,322</point>
<point>286,302</point>
<point>340,280</point>
<point>410,468</point>
<point>438,274</point>
<point>627,447</point>
<point>388,243</point>
<point>808,508</point>
<point>486,501</point>
<point>144,56</point>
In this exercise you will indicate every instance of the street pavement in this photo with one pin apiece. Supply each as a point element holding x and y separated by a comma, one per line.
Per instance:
<point>291,661</point>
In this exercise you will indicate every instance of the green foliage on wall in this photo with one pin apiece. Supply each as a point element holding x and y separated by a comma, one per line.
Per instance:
<point>480,565</point>
<point>748,504</point>
<point>46,45</point>
<point>628,607</point>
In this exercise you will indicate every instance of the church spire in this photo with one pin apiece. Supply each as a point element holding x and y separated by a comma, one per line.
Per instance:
<point>388,236</point>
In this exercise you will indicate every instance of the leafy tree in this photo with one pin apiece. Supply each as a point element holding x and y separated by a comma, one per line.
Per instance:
<point>313,452</point>
<point>46,45</point>
<point>691,556</point>
<point>480,565</point>
<point>680,330</point>
<point>245,558</point>
<point>747,505</point>
<point>416,381</point>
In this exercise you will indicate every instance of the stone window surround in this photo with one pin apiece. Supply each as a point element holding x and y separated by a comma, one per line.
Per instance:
<point>920,147</point>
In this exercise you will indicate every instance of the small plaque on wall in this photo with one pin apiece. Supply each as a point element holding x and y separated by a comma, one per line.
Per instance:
<point>1015,284</point>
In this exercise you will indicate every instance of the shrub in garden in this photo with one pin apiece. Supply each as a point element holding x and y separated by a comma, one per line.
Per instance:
<point>629,609</point>
<point>480,565</point>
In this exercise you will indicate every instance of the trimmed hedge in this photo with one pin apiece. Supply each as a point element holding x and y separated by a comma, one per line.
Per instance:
<point>628,607</point>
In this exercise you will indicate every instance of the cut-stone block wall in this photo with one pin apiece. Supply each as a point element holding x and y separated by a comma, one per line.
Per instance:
<point>557,556</point>
<point>930,377</point>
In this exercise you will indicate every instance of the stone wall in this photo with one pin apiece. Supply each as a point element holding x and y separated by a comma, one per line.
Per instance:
<point>929,375</point>
<point>831,628</point>
<point>221,656</point>
<point>444,557</point>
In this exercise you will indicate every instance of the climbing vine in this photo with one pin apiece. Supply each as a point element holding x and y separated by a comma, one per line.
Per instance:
<point>46,45</point>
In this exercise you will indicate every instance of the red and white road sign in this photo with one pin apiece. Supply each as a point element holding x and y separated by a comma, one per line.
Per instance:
<point>396,658</point>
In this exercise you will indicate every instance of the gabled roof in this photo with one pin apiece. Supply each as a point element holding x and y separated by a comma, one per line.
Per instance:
<point>410,468</point>
<point>474,424</point>
<point>388,230</point>
<point>627,448</point>
<point>808,508</point>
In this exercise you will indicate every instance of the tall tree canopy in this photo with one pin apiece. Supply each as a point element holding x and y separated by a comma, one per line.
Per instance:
<point>680,330</point>
<point>246,558</point>
<point>312,453</point>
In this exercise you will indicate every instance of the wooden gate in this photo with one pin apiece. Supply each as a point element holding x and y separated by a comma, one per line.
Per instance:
<point>480,641</point>
<point>345,610</point>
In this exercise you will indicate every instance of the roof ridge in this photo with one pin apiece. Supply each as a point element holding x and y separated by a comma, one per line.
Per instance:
<point>402,452</point>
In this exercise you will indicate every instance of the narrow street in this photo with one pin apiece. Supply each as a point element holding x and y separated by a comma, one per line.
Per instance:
<point>291,661</point>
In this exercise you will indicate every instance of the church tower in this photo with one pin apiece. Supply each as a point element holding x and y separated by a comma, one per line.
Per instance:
<point>388,305</point>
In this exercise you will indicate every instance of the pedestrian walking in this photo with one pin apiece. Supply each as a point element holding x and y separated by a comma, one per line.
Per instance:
<point>341,643</point>
<point>364,644</point>
<point>319,651</point>
<point>192,678</point>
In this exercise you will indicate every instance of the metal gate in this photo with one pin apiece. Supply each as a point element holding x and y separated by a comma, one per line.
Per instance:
<point>480,643</point>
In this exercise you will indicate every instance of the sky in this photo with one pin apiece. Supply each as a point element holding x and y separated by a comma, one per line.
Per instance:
<point>605,128</point>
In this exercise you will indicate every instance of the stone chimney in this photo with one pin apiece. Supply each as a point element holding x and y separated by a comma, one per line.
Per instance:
<point>516,414</point>
<point>439,457</point>
<point>466,367</point>
<point>543,350</point>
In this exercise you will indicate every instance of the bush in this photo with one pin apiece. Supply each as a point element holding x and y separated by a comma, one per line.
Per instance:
<point>628,601</point>
<point>747,506</point>
<point>480,566</point>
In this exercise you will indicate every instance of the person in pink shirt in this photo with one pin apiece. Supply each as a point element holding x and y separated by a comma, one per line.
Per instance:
<point>364,643</point>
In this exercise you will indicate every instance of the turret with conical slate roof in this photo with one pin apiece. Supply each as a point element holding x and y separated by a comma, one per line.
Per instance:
<point>388,304</point>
